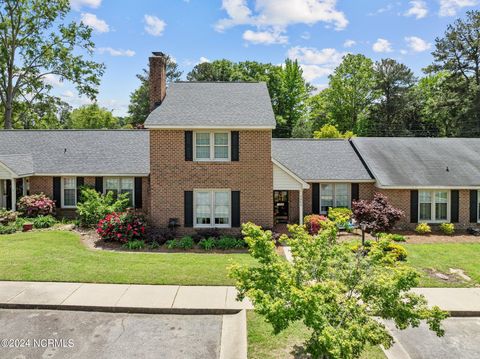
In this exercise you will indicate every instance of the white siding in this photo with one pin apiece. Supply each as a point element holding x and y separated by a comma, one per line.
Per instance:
<point>4,173</point>
<point>283,181</point>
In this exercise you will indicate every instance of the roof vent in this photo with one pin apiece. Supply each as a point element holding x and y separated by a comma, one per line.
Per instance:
<point>448,170</point>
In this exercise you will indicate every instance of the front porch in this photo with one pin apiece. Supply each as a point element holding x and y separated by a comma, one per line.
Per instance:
<point>14,172</point>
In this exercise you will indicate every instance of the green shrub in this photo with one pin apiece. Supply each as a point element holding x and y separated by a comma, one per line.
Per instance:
<point>134,245</point>
<point>423,228</point>
<point>397,252</point>
<point>7,229</point>
<point>392,236</point>
<point>207,243</point>
<point>229,242</point>
<point>185,242</point>
<point>94,206</point>
<point>447,228</point>
<point>44,221</point>
<point>19,222</point>
<point>341,216</point>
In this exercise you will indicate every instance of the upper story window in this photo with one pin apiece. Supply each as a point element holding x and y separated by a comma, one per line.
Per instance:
<point>119,185</point>
<point>433,206</point>
<point>212,146</point>
<point>334,195</point>
<point>69,192</point>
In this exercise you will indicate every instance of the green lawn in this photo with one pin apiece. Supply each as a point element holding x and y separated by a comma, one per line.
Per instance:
<point>262,344</point>
<point>60,256</point>
<point>441,257</point>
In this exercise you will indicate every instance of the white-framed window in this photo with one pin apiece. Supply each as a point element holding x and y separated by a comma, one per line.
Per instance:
<point>212,208</point>
<point>212,146</point>
<point>434,206</point>
<point>69,192</point>
<point>334,195</point>
<point>119,185</point>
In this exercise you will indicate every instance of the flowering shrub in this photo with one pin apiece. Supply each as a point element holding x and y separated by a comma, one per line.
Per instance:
<point>313,222</point>
<point>378,215</point>
<point>36,205</point>
<point>121,227</point>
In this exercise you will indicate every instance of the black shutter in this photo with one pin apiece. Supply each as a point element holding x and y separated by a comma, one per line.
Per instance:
<point>188,146</point>
<point>80,183</point>
<point>235,209</point>
<point>355,192</point>
<point>99,184</point>
<point>473,206</point>
<point>414,206</point>
<point>316,198</point>
<point>235,145</point>
<point>138,192</point>
<point>188,208</point>
<point>57,191</point>
<point>454,206</point>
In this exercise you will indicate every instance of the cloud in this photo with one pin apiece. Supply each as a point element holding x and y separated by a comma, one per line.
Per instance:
<point>203,59</point>
<point>382,45</point>
<point>78,4</point>
<point>450,7</point>
<point>349,43</point>
<point>382,10</point>
<point>418,8</point>
<point>417,44</point>
<point>265,37</point>
<point>94,22</point>
<point>116,52</point>
<point>53,80</point>
<point>272,17</point>
<point>316,63</point>
<point>154,26</point>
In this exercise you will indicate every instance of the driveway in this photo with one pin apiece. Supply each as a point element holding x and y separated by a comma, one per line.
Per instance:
<point>461,341</point>
<point>73,334</point>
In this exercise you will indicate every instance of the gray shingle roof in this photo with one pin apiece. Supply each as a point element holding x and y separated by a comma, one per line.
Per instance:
<point>319,160</point>
<point>101,152</point>
<point>422,162</point>
<point>214,104</point>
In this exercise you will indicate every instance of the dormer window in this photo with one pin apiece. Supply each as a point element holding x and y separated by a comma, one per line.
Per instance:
<point>212,146</point>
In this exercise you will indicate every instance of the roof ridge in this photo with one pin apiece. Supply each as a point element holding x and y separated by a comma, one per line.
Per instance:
<point>73,130</point>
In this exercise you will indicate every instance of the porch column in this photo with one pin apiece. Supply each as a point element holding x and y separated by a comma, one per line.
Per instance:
<point>300,206</point>
<point>14,194</point>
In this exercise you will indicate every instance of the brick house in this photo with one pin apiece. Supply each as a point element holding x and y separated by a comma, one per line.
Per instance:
<point>207,160</point>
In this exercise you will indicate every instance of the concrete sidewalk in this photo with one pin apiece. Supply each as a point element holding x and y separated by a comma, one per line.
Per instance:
<point>121,297</point>
<point>460,302</point>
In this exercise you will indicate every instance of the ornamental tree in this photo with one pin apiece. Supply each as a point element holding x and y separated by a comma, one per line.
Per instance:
<point>378,215</point>
<point>339,294</point>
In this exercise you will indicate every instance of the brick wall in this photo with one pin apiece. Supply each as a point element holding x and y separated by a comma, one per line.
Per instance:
<point>171,175</point>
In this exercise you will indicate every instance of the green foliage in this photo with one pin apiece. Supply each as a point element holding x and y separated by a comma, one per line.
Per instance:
<point>7,216</point>
<point>330,131</point>
<point>423,228</point>
<point>134,245</point>
<point>335,292</point>
<point>207,243</point>
<point>94,206</point>
<point>9,229</point>
<point>392,236</point>
<point>229,242</point>
<point>92,116</point>
<point>42,44</point>
<point>340,215</point>
<point>19,222</point>
<point>395,251</point>
<point>44,221</point>
<point>447,228</point>
<point>185,242</point>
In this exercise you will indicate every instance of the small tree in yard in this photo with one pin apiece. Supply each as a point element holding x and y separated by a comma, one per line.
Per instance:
<point>378,215</point>
<point>334,291</point>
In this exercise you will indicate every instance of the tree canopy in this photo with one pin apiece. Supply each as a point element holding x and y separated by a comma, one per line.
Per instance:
<point>92,116</point>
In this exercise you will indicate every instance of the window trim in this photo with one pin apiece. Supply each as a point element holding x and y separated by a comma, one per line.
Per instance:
<point>120,186</point>
<point>432,206</point>
<point>62,189</point>
<point>212,224</point>
<point>334,184</point>
<point>212,147</point>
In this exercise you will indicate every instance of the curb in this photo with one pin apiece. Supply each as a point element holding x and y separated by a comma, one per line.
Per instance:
<point>135,310</point>
<point>234,336</point>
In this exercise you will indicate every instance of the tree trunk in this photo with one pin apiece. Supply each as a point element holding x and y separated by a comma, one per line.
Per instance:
<point>8,117</point>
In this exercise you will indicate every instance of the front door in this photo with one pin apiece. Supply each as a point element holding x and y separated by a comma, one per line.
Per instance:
<point>8,194</point>
<point>280,206</point>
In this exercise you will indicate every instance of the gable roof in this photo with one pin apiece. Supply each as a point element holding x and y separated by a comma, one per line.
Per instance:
<point>82,152</point>
<point>214,105</point>
<point>320,160</point>
<point>422,162</point>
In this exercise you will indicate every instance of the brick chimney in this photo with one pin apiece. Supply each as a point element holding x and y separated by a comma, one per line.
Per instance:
<point>158,81</point>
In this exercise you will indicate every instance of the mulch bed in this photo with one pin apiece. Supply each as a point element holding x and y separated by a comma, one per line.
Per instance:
<point>91,240</point>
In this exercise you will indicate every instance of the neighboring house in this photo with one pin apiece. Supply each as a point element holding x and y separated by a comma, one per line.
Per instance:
<point>208,160</point>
